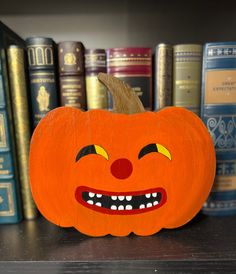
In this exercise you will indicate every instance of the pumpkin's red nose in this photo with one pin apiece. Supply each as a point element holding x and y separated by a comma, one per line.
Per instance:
<point>121,168</point>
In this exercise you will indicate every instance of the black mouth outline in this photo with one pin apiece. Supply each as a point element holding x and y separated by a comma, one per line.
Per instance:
<point>82,191</point>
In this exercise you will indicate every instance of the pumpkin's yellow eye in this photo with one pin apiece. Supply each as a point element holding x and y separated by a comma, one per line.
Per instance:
<point>92,149</point>
<point>154,148</point>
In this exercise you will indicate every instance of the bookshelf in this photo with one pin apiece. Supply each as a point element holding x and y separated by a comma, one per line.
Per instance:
<point>205,244</point>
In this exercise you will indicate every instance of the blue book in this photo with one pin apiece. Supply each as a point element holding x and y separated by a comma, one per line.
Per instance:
<point>218,111</point>
<point>10,203</point>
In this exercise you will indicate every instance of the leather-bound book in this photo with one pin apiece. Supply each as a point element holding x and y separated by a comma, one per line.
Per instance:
<point>187,71</point>
<point>71,73</point>
<point>10,196</point>
<point>218,111</point>
<point>96,93</point>
<point>134,66</point>
<point>163,76</point>
<point>20,107</point>
<point>43,78</point>
<point>10,200</point>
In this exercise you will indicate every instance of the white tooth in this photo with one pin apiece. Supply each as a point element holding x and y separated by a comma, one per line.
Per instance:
<point>114,197</point>
<point>149,204</point>
<point>148,195</point>
<point>154,194</point>
<point>113,207</point>
<point>128,198</point>
<point>90,202</point>
<point>142,206</point>
<point>121,198</point>
<point>155,203</point>
<point>128,207</point>
<point>91,194</point>
<point>99,195</point>
<point>98,204</point>
<point>121,207</point>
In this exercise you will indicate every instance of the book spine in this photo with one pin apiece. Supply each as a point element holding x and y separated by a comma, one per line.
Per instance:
<point>96,93</point>
<point>71,72</point>
<point>10,200</point>
<point>20,110</point>
<point>42,77</point>
<point>163,76</point>
<point>134,66</point>
<point>219,115</point>
<point>187,69</point>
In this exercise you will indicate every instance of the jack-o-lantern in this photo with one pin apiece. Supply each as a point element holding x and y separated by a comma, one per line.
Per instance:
<point>109,173</point>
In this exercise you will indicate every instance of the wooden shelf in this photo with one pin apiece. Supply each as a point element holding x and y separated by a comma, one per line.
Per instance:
<point>204,245</point>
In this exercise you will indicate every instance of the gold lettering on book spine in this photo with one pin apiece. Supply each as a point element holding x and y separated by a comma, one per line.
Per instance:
<point>21,123</point>
<point>3,139</point>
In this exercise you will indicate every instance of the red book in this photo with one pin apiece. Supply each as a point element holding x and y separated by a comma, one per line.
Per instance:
<point>134,66</point>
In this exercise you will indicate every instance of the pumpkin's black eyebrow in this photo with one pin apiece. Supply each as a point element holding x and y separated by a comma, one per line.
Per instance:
<point>154,148</point>
<point>91,149</point>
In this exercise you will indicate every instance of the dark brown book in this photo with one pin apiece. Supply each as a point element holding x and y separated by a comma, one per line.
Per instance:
<point>134,66</point>
<point>71,74</point>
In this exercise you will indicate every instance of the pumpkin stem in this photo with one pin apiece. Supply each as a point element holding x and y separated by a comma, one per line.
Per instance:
<point>125,100</point>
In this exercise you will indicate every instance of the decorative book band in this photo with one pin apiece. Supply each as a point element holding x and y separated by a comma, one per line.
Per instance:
<point>95,60</point>
<point>40,53</point>
<point>221,51</point>
<point>130,60</point>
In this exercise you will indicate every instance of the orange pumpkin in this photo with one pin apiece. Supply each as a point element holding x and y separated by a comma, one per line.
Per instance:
<point>108,173</point>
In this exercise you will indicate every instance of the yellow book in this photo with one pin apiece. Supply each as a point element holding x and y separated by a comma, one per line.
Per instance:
<point>96,93</point>
<point>18,89</point>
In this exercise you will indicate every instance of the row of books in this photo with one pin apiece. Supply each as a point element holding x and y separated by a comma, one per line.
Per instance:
<point>202,78</point>
<point>66,74</point>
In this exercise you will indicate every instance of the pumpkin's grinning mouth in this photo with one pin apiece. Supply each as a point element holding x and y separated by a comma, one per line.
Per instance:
<point>121,202</point>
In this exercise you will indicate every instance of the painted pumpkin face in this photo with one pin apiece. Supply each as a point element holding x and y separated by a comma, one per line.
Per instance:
<point>106,173</point>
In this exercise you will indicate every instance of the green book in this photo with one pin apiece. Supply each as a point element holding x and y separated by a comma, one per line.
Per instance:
<point>20,108</point>
<point>187,69</point>
<point>10,198</point>
<point>10,204</point>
